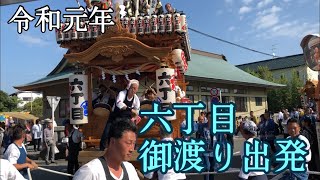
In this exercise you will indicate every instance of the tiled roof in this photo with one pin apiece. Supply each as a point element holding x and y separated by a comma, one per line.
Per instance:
<point>277,63</point>
<point>218,70</point>
<point>203,66</point>
<point>47,79</point>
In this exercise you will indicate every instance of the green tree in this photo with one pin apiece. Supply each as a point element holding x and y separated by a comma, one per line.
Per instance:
<point>284,93</point>
<point>286,97</point>
<point>262,72</point>
<point>37,106</point>
<point>8,103</point>
<point>295,84</point>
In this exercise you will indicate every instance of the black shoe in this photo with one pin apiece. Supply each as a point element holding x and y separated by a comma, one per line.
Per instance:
<point>47,162</point>
<point>53,162</point>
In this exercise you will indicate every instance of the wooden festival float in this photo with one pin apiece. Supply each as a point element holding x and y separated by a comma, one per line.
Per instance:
<point>138,47</point>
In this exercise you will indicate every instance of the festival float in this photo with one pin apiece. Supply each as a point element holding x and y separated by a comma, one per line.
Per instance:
<point>145,44</point>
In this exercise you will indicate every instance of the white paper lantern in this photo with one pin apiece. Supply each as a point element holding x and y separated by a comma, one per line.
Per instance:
<point>179,59</point>
<point>78,99</point>
<point>165,93</point>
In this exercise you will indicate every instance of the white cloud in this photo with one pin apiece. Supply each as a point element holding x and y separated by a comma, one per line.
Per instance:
<point>264,3</point>
<point>273,9</point>
<point>294,29</point>
<point>286,1</point>
<point>231,28</point>
<point>31,40</point>
<point>247,1</point>
<point>244,9</point>
<point>267,18</point>
<point>291,29</point>
<point>266,21</point>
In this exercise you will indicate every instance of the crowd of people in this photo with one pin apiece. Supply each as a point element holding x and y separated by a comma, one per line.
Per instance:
<point>14,152</point>
<point>119,138</point>
<point>120,135</point>
<point>13,143</point>
<point>298,123</point>
<point>293,127</point>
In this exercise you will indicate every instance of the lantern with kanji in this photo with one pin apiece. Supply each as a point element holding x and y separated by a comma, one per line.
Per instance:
<point>165,88</point>
<point>78,99</point>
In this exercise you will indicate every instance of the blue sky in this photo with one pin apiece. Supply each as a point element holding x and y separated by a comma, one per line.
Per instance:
<point>260,25</point>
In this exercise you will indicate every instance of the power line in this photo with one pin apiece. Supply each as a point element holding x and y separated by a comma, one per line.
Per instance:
<point>228,42</point>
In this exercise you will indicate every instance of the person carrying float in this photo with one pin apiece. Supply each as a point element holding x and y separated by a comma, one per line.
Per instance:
<point>103,101</point>
<point>127,106</point>
<point>148,95</point>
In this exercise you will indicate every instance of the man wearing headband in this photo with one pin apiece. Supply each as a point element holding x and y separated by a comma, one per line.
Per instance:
<point>127,106</point>
<point>127,103</point>
<point>248,130</point>
<point>105,96</point>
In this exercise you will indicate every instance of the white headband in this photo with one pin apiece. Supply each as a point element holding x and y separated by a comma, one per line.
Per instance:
<point>132,81</point>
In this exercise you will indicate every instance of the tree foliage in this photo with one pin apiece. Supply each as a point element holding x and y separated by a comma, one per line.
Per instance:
<point>287,97</point>
<point>37,106</point>
<point>7,103</point>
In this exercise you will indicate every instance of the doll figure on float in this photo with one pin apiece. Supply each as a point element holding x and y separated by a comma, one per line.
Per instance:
<point>128,4</point>
<point>170,9</point>
<point>159,8</point>
<point>180,94</point>
<point>91,3</point>
<point>106,4</point>
<point>144,7</point>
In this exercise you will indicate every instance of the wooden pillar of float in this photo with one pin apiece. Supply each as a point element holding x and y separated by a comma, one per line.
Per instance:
<point>183,85</point>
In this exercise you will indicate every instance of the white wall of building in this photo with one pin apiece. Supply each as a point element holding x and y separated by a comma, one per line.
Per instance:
<point>27,96</point>
<point>304,72</point>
